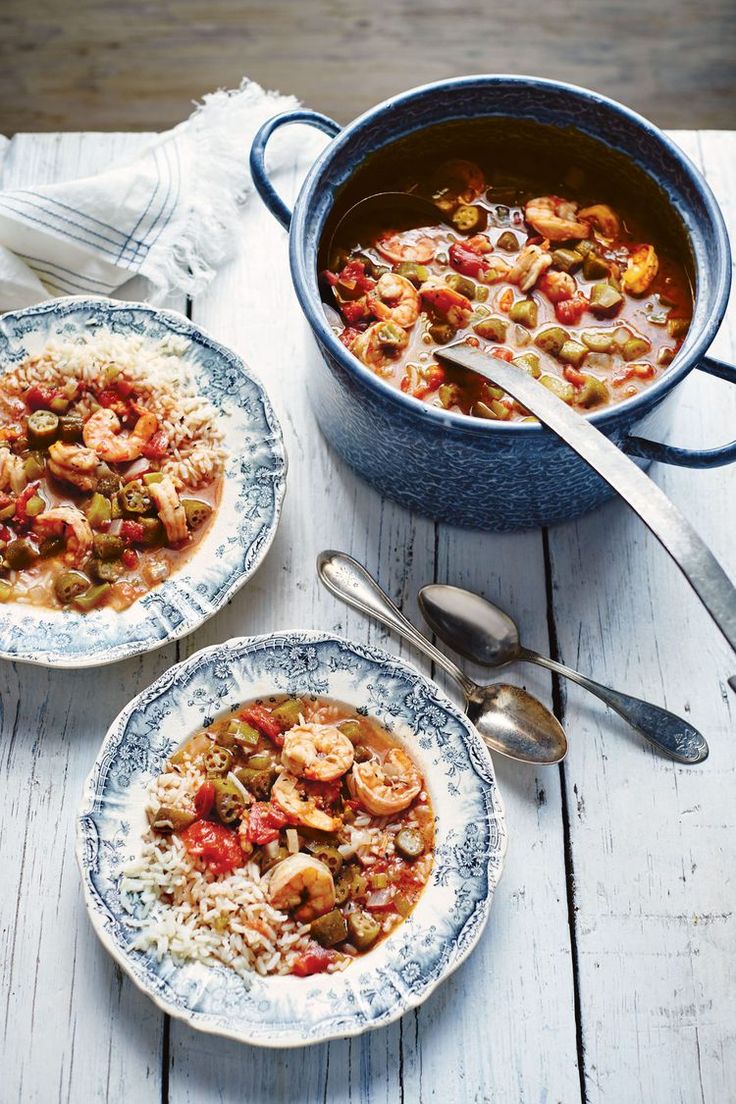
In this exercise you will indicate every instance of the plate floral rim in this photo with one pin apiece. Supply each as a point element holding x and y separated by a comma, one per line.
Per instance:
<point>194,609</point>
<point>97,909</point>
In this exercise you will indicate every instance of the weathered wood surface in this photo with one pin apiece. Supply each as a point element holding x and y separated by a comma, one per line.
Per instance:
<point>610,942</point>
<point>93,65</point>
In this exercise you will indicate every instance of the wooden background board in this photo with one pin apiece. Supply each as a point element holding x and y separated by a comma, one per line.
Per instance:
<point>95,65</point>
<point>606,972</point>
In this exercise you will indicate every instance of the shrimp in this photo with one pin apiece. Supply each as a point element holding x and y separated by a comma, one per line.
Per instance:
<point>102,433</point>
<point>603,218</point>
<point>395,299</point>
<point>74,464</point>
<point>408,245</point>
<point>387,788</point>
<point>12,472</point>
<point>303,885</point>
<point>555,218</point>
<point>446,303</point>
<point>320,752</point>
<point>170,510</point>
<point>380,344</point>
<point>557,286</point>
<point>293,796</point>
<point>529,266</point>
<point>71,522</point>
<point>641,269</point>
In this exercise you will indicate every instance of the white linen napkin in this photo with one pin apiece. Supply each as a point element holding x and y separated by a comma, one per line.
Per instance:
<point>159,222</point>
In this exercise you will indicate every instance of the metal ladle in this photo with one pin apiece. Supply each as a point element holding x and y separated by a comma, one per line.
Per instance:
<point>385,211</point>
<point>482,632</point>
<point>509,720</point>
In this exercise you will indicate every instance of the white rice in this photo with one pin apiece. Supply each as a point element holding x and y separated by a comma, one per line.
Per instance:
<point>182,909</point>
<point>161,377</point>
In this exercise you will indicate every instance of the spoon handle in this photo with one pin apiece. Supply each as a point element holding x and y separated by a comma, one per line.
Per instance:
<point>349,580</point>
<point>672,735</point>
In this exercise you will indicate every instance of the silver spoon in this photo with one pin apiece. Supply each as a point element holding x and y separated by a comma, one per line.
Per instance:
<point>508,719</point>
<point>481,631</point>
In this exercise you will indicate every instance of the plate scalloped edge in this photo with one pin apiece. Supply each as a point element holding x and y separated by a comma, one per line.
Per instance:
<point>405,969</point>
<point>240,534</point>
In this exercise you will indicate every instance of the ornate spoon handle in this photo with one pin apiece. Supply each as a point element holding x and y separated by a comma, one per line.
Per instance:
<point>672,735</point>
<point>349,580</point>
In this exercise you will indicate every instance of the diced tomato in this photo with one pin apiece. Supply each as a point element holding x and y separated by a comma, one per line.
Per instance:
<point>570,311</point>
<point>40,398</point>
<point>354,310</point>
<point>5,533</point>
<point>327,793</point>
<point>577,379</point>
<point>261,719</point>
<point>129,557</point>
<point>429,382</point>
<point>5,500</point>
<point>204,798</point>
<point>354,273</point>
<point>502,353</point>
<point>108,397</point>
<point>264,822</point>
<point>313,961</point>
<point>465,261</point>
<point>348,336</point>
<point>216,845</point>
<point>640,371</point>
<point>21,502</point>
<point>132,531</point>
<point>157,447</point>
<point>125,387</point>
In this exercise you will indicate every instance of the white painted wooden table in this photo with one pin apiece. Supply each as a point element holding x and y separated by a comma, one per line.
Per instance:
<point>607,971</point>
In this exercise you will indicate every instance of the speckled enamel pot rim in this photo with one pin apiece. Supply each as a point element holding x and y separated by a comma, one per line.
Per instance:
<point>480,777</point>
<point>305,276</point>
<point>191,595</point>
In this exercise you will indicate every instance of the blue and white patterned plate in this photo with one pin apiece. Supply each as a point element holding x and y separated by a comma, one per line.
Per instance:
<point>403,970</point>
<point>243,527</point>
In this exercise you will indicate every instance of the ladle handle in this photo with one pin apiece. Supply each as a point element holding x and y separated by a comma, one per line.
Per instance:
<point>672,735</point>
<point>349,580</point>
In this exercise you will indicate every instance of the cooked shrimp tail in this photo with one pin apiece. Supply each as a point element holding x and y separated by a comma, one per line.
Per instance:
<point>387,787</point>
<point>102,433</point>
<point>71,523</point>
<point>319,752</point>
<point>303,885</point>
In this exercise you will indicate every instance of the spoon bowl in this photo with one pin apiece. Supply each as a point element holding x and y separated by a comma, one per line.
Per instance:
<point>385,211</point>
<point>510,721</point>
<point>480,631</point>
<point>514,723</point>
<point>472,626</point>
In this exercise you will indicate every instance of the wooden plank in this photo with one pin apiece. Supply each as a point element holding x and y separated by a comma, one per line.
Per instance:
<point>71,1028</point>
<point>504,1029</point>
<point>653,843</point>
<point>251,306</point>
<point>455,1044</point>
<point>93,65</point>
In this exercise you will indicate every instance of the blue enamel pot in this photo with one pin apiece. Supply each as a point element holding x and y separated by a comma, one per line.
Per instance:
<point>469,471</point>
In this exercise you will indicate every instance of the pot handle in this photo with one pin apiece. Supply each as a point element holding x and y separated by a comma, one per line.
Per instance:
<point>683,457</point>
<point>264,187</point>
